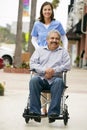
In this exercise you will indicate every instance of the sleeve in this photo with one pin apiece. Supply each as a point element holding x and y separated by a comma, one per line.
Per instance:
<point>63,35</point>
<point>34,41</point>
<point>65,41</point>
<point>34,31</point>
<point>61,29</point>
<point>35,63</point>
<point>65,63</point>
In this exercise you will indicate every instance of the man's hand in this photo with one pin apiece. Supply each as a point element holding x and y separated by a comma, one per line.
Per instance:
<point>49,73</point>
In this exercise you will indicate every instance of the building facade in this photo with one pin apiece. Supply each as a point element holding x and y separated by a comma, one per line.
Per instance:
<point>77,32</point>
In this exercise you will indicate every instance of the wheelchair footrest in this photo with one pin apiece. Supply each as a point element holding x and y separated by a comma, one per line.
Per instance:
<point>60,117</point>
<point>31,116</point>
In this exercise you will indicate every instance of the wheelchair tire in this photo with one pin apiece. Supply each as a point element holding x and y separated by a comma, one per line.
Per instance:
<point>25,115</point>
<point>27,119</point>
<point>65,116</point>
<point>26,111</point>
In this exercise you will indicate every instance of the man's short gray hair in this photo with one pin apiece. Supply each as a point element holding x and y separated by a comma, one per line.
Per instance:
<point>53,31</point>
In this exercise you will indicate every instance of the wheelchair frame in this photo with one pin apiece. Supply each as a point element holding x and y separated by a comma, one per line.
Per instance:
<point>64,115</point>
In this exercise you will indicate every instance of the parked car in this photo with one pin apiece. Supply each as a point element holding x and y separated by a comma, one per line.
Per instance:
<point>7,54</point>
<point>1,63</point>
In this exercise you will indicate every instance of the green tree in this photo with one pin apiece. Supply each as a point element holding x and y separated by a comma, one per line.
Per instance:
<point>6,36</point>
<point>55,3</point>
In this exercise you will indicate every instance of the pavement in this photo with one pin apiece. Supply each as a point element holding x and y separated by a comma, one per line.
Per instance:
<point>12,104</point>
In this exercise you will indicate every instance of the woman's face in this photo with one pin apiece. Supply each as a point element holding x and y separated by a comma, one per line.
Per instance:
<point>47,11</point>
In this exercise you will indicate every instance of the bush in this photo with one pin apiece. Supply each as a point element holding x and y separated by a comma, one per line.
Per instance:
<point>24,65</point>
<point>1,89</point>
<point>77,60</point>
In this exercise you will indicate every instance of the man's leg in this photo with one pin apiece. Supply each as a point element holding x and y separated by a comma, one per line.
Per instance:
<point>56,92</point>
<point>36,85</point>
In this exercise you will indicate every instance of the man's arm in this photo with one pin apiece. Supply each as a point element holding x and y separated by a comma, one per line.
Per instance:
<point>35,63</point>
<point>65,63</point>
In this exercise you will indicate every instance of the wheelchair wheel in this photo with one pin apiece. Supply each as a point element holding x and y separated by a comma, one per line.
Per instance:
<point>65,116</point>
<point>27,119</point>
<point>26,112</point>
<point>25,115</point>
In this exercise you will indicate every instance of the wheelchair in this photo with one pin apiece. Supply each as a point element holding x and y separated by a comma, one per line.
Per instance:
<point>64,115</point>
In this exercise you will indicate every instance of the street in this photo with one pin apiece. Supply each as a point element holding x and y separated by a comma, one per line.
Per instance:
<point>14,101</point>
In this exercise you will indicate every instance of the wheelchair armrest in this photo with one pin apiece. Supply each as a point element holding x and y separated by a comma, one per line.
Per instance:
<point>63,74</point>
<point>32,70</point>
<point>64,77</point>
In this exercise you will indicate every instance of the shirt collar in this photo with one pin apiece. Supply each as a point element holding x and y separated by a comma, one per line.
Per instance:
<point>59,48</point>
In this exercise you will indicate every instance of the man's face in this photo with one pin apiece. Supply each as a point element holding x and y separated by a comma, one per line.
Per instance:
<point>53,41</point>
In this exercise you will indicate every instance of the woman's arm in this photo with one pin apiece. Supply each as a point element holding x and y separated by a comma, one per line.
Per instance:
<point>34,42</point>
<point>65,41</point>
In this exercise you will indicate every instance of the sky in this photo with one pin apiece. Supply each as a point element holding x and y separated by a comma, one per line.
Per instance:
<point>9,11</point>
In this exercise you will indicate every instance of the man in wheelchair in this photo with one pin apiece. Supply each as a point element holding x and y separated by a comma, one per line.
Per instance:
<point>48,62</point>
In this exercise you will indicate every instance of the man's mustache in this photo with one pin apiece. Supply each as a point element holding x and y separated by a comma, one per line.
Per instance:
<point>54,43</point>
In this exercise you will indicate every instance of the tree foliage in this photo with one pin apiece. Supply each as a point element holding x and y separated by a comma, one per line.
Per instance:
<point>6,36</point>
<point>55,3</point>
